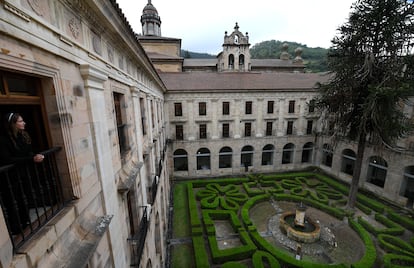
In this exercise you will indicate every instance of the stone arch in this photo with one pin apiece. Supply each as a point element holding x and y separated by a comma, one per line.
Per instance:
<point>180,158</point>
<point>377,171</point>
<point>348,161</point>
<point>203,159</point>
<point>225,157</point>
<point>307,151</point>
<point>287,153</point>
<point>327,155</point>
<point>247,153</point>
<point>268,154</point>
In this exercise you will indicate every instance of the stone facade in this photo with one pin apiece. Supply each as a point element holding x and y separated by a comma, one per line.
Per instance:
<point>130,115</point>
<point>102,102</point>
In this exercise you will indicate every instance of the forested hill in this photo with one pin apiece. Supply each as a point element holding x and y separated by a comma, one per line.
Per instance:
<point>314,58</point>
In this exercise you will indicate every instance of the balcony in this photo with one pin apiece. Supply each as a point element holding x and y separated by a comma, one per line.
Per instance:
<point>30,195</point>
<point>137,241</point>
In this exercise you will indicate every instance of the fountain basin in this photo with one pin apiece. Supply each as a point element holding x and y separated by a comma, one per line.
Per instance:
<point>308,233</point>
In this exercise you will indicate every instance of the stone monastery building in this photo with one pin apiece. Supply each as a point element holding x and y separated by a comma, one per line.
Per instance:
<point>119,116</point>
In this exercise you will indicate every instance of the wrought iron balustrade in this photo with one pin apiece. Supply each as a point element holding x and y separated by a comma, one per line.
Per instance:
<point>137,241</point>
<point>30,195</point>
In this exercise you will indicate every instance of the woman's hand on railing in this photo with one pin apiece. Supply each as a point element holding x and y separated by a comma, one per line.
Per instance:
<point>38,158</point>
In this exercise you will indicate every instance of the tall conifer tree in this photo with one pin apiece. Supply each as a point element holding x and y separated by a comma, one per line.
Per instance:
<point>371,63</point>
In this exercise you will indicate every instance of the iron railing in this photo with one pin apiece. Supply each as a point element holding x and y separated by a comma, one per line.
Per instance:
<point>30,195</point>
<point>137,241</point>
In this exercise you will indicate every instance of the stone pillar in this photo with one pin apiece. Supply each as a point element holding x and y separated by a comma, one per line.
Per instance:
<point>281,131</point>
<point>214,114</point>
<point>259,118</point>
<point>237,120</point>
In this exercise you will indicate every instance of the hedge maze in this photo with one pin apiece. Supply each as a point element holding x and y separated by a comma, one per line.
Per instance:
<point>388,242</point>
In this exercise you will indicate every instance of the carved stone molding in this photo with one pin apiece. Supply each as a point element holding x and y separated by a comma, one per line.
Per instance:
<point>74,27</point>
<point>37,7</point>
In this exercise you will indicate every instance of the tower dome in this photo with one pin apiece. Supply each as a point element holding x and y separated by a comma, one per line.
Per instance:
<point>151,22</point>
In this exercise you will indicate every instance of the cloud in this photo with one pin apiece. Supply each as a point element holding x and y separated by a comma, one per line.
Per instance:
<point>201,24</point>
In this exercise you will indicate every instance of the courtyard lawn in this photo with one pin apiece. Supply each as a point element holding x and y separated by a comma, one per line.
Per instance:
<point>225,223</point>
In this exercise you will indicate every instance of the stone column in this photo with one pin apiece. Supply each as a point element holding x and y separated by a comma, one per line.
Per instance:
<point>281,131</point>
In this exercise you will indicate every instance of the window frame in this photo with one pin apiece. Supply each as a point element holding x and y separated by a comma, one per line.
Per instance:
<point>178,109</point>
<point>202,108</point>
<point>248,107</point>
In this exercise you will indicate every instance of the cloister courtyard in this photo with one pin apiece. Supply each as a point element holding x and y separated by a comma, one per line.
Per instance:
<point>235,222</point>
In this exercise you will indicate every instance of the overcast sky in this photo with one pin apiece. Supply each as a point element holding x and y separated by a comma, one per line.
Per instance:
<point>201,24</point>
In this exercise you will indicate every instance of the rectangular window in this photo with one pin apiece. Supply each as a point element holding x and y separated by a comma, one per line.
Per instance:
<point>312,106</point>
<point>226,108</point>
<point>309,127</point>
<point>179,132</point>
<point>248,107</point>
<point>203,131</point>
<point>270,105</point>
<point>143,117</point>
<point>269,128</point>
<point>226,130</point>
<point>178,109</point>
<point>289,130</point>
<point>247,129</point>
<point>120,124</point>
<point>291,106</point>
<point>202,108</point>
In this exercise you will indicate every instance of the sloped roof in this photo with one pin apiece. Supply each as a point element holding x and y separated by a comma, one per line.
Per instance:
<point>211,81</point>
<point>273,63</point>
<point>199,62</point>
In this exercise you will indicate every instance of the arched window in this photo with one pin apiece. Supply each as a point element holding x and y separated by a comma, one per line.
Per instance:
<point>348,161</point>
<point>241,60</point>
<point>231,61</point>
<point>180,160</point>
<point>203,159</point>
<point>267,155</point>
<point>307,151</point>
<point>327,155</point>
<point>407,186</point>
<point>287,155</point>
<point>247,156</point>
<point>225,157</point>
<point>377,171</point>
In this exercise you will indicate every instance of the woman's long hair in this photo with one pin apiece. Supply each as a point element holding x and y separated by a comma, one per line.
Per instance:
<point>12,131</point>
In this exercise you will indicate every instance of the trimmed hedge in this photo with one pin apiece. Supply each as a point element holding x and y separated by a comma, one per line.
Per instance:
<point>336,212</point>
<point>192,206</point>
<point>201,256</point>
<point>392,228</point>
<point>287,259</point>
<point>230,254</point>
<point>405,221</point>
<point>222,181</point>
<point>370,255</point>
<point>391,260</point>
<point>363,208</point>
<point>260,257</point>
<point>259,188</point>
<point>395,245</point>
<point>251,202</point>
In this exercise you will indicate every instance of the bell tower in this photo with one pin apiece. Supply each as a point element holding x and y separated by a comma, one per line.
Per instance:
<point>235,56</point>
<point>151,22</point>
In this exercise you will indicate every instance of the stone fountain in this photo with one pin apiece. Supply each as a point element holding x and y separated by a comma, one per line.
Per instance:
<point>298,226</point>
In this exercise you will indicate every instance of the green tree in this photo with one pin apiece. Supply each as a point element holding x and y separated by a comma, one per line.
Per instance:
<point>371,63</point>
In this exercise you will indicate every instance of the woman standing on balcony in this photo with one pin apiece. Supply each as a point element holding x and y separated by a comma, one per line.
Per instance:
<point>16,144</point>
<point>15,191</point>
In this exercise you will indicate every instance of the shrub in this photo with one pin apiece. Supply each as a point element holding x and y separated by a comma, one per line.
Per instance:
<point>395,244</point>
<point>392,227</point>
<point>370,255</point>
<point>405,221</point>
<point>398,261</point>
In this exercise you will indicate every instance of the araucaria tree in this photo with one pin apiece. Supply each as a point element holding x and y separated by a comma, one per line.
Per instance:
<point>371,63</point>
